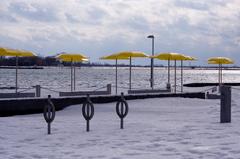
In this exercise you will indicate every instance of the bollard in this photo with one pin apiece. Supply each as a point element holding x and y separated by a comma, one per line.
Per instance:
<point>122,113</point>
<point>38,91</point>
<point>49,113</point>
<point>109,88</point>
<point>168,86</point>
<point>88,111</point>
<point>225,116</point>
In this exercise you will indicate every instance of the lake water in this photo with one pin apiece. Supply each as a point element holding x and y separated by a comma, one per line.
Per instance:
<point>92,78</point>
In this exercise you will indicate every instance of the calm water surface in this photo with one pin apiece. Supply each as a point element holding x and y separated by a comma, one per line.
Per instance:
<point>58,78</point>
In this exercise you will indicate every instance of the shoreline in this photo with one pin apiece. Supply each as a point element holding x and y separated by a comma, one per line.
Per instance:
<point>143,67</point>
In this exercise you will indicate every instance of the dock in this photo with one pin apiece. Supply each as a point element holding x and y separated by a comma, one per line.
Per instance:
<point>21,106</point>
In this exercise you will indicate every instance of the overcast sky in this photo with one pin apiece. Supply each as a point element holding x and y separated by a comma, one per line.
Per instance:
<point>201,28</point>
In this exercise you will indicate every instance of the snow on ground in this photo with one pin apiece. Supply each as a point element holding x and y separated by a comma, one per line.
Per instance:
<point>168,128</point>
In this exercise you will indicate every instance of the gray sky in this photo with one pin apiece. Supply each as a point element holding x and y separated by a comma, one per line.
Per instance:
<point>201,28</point>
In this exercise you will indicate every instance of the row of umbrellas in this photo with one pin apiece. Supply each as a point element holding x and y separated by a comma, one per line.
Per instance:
<point>163,56</point>
<point>126,55</point>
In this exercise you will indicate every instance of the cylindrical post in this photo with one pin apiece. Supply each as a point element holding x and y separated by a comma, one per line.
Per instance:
<point>225,116</point>
<point>87,126</point>
<point>152,64</point>
<point>121,113</point>
<point>109,88</point>
<point>49,116</point>
<point>168,71</point>
<point>49,128</point>
<point>219,76</point>
<point>175,76</point>
<point>168,82</point>
<point>88,113</point>
<point>116,77</point>
<point>74,78</point>
<point>16,82</point>
<point>38,91</point>
<point>130,73</point>
<point>181,75</point>
<point>71,76</point>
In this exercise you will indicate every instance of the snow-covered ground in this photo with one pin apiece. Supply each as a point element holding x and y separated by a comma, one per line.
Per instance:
<point>167,128</point>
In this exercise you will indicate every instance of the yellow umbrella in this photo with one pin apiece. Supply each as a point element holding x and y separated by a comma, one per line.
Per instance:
<point>130,55</point>
<point>220,61</point>
<point>16,53</point>
<point>190,58</point>
<point>72,58</point>
<point>115,57</point>
<point>6,51</point>
<point>171,57</point>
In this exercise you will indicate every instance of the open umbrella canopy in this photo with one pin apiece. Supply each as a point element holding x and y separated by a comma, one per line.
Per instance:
<point>170,56</point>
<point>220,60</point>
<point>13,52</point>
<point>72,57</point>
<point>190,58</point>
<point>114,57</point>
<point>6,51</point>
<point>74,60</point>
<point>22,53</point>
<point>132,54</point>
<point>125,55</point>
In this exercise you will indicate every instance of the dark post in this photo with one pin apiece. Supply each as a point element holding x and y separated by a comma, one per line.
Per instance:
<point>88,111</point>
<point>225,116</point>
<point>168,84</point>
<point>116,76</point>
<point>109,88</point>
<point>71,76</point>
<point>152,62</point>
<point>175,76</point>
<point>130,73</point>
<point>49,113</point>
<point>74,78</point>
<point>123,110</point>
<point>38,90</point>
<point>16,74</point>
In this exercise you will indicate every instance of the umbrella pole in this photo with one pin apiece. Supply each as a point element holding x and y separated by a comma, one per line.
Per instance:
<point>219,76</point>
<point>168,71</point>
<point>175,78</point>
<point>181,75</point>
<point>71,76</point>
<point>130,73</point>
<point>74,78</point>
<point>16,74</point>
<point>116,77</point>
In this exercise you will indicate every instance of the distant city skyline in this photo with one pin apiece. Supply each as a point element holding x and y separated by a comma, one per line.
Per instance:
<point>96,28</point>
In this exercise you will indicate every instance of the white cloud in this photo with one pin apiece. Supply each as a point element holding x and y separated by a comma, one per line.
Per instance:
<point>178,24</point>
